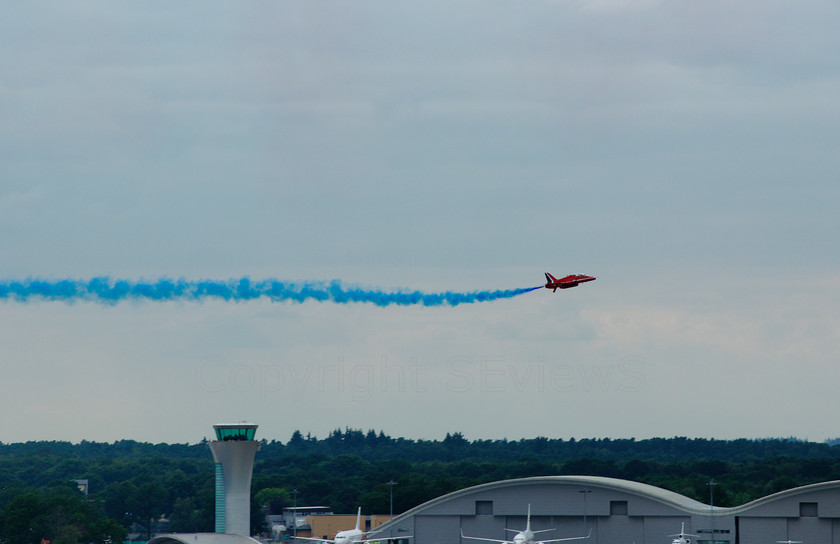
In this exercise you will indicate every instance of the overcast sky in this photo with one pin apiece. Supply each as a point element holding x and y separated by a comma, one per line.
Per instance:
<point>685,153</point>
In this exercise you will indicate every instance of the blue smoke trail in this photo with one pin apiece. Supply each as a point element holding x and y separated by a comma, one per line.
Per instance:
<point>107,291</point>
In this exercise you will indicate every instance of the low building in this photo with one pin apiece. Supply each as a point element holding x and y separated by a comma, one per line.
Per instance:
<point>326,527</point>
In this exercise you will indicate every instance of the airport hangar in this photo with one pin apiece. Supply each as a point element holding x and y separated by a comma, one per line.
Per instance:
<point>618,512</point>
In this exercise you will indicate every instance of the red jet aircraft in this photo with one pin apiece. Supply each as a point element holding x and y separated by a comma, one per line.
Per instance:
<point>564,283</point>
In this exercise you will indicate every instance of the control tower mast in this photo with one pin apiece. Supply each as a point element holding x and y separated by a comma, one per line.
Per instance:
<point>234,450</point>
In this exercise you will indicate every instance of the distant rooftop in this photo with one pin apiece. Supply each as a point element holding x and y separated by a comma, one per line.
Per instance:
<point>235,431</point>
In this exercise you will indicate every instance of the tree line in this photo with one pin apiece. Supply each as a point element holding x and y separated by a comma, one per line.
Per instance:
<point>133,484</point>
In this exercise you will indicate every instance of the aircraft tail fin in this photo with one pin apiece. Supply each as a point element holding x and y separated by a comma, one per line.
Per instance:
<point>359,519</point>
<point>682,533</point>
<point>549,278</point>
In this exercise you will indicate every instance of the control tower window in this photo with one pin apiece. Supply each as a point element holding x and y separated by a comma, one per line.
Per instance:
<point>235,432</point>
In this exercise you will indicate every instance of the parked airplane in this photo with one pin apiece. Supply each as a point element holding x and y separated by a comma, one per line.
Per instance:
<point>353,536</point>
<point>681,536</point>
<point>564,283</point>
<point>526,536</point>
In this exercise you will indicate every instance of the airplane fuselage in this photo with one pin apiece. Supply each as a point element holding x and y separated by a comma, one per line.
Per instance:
<point>525,537</point>
<point>348,537</point>
<point>566,282</point>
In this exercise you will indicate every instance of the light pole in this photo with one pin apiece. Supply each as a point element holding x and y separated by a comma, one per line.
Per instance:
<point>585,493</point>
<point>294,516</point>
<point>391,484</point>
<point>712,483</point>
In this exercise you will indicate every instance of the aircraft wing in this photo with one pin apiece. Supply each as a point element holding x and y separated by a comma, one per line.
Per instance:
<point>315,539</point>
<point>568,538</point>
<point>485,539</point>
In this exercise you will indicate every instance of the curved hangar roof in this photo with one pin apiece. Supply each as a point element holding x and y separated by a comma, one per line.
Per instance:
<point>656,494</point>
<point>202,538</point>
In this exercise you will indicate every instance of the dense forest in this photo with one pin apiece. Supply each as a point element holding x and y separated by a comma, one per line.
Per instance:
<point>131,484</point>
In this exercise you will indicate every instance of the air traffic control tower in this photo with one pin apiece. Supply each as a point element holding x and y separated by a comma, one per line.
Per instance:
<point>234,450</point>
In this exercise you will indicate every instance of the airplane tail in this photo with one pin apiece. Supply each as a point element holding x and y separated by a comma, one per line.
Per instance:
<point>528,524</point>
<point>549,278</point>
<point>682,533</point>
<point>359,519</point>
